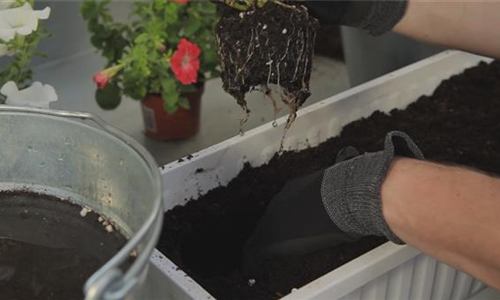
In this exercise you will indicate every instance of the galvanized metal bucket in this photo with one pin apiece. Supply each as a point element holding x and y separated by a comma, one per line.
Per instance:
<point>77,156</point>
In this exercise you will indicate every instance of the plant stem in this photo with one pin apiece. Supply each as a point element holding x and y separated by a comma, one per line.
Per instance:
<point>23,61</point>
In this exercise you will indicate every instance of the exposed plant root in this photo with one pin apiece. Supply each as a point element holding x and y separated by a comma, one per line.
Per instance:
<point>243,104</point>
<point>291,103</point>
<point>268,94</point>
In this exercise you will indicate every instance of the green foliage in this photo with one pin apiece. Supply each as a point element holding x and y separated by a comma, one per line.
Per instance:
<point>145,45</point>
<point>21,50</point>
<point>109,37</point>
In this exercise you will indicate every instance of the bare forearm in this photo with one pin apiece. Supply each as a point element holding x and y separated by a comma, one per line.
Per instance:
<point>471,26</point>
<point>448,212</point>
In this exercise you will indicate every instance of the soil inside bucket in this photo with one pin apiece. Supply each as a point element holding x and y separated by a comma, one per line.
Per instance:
<point>458,123</point>
<point>48,249</point>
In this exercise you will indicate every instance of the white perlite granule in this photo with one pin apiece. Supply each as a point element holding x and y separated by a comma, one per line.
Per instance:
<point>251,282</point>
<point>109,228</point>
<point>85,211</point>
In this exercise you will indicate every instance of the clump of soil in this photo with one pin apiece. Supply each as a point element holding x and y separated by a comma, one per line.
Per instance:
<point>260,46</point>
<point>458,124</point>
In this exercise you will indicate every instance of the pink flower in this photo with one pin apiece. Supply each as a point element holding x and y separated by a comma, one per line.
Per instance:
<point>101,79</point>
<point>180,1</point>
<point>185,62</point>
<point>162,48</point>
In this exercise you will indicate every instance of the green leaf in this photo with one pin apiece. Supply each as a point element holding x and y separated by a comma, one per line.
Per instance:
<point>192,26</point>
<point>171,13</point>
<point>159,5</point>
<point>170,110</point>
<point>109,97</point>
<point>171,100</point>
<point>141,38</point>
<point>188,88</point>
<point>183,102</point>
<point>169,87</point>
<point>170,94</point>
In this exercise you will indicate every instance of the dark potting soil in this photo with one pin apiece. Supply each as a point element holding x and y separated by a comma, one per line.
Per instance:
<point>260,46</point>
<point>47,249</point>
<point>458,124</point>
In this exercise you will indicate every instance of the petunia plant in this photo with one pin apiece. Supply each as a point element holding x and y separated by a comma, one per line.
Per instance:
<point>167,48</point>
<point>20,34</point>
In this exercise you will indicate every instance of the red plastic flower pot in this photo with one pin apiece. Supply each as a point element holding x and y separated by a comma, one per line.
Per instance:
<point>182,124</point>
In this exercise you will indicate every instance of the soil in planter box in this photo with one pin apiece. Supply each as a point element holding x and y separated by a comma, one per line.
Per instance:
<point>48,249</point>
<point>459,123</point>
<point>272,44</point>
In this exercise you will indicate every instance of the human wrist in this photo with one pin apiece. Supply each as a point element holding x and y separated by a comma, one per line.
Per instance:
<point>396,184</point>
<point>407,182</point>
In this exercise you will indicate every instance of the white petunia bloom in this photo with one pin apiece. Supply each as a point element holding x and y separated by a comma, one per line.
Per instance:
<point>4,4</point>
<point>19,21</point>
<point>37,95</point>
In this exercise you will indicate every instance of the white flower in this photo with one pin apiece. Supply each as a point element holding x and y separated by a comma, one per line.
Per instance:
<point>20,21</point>
<point>37,95</point>
<point>4,4</point>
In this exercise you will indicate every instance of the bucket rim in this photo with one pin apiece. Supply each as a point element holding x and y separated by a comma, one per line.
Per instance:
<point>109,278</point>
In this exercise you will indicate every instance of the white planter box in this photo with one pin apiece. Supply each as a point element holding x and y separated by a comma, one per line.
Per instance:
<point>387,272</point>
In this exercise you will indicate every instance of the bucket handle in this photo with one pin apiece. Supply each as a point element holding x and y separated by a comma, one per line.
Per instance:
<point>109,282</point>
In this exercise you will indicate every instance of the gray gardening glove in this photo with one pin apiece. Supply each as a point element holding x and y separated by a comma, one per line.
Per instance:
<point>375,16</point>
<point>330,207</point>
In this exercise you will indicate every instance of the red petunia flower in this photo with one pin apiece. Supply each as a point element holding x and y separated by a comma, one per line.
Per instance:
<point>180,1</point>
<point>185,62</point>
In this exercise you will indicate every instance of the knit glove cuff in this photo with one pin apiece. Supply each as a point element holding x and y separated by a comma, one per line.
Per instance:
<point>375,16</point>
<point>351,190</point>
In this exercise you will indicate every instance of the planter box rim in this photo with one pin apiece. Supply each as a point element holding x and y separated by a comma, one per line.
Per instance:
<point>360,101</point>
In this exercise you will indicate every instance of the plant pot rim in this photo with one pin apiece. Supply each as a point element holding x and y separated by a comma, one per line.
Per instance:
<point>198,89</point>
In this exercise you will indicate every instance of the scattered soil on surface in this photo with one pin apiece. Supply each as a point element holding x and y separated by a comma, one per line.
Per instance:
<point>457,124</point>
<point>259,47</point>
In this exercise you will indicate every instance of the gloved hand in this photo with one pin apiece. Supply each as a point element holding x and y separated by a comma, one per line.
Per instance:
<point>330,207</point>
<point>375,16</point>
